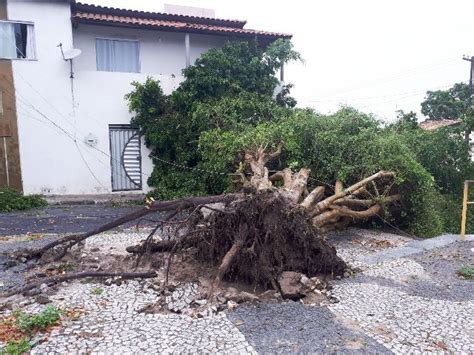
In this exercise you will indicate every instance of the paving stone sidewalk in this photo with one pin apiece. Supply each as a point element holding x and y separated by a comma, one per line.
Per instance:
<point>413,303</point>
<point>112,324</point>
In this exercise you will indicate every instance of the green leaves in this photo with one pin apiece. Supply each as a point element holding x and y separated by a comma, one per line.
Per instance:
<point>16,347</point>
<point>446,104</point>
<point>466,272</point>
<point>11,200</point>
<point>228,71</point>
<point>350,145</point>
<point>228,89</point>
<point>226,105</point>
<point>36,322</point>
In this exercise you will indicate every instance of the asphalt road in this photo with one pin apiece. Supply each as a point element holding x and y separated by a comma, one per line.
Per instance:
<point>61,219</point>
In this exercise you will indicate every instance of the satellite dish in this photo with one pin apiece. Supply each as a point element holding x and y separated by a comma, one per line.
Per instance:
<point>72,53</point>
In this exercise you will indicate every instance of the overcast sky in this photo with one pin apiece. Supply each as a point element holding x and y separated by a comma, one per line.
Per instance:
<point>376,55</point>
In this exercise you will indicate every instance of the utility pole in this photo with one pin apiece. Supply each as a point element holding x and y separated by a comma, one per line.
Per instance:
<point>469,102</point>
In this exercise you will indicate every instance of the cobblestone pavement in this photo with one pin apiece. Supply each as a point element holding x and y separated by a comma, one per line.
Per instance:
<point>111,323</point>
<point>411,304</point>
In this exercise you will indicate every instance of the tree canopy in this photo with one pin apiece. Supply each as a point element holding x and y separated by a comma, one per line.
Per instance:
<point>446,104</point>
<point>226,88</point>
<point>227,105</point>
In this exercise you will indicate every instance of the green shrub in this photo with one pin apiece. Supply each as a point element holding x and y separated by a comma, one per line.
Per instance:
<point>230,87</point>
<point>444,153</point>
<point>97,291</point>
<point>11,200</point>
<point>16,347</point>
<point>347,146</point>
<point>450,207</point>
<point>29,323</point>
<point>467,272</point>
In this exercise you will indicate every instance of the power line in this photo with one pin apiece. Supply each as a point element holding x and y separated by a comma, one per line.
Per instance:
<point>74,126</point>
<point>88,167</point>
<point>68,99</point>
<point>61,115</point>
<point>13,95</point>
<point>70,136</point>
<point>388,79</point>
<point>402,96</point>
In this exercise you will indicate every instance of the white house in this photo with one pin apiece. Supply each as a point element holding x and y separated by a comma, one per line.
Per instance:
<point>64,70</point>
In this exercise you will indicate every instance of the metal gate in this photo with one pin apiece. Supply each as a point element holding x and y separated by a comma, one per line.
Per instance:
<point>125,158</point>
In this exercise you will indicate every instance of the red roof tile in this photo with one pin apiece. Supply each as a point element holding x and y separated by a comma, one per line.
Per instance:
<point>80,6</point>
<point>431,125</point>
<point>174,22</point>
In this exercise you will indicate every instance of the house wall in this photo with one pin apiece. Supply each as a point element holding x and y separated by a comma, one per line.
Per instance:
<point>54,159</point>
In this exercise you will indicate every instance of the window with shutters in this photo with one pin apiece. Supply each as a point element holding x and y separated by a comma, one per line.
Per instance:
<point>17,40</point>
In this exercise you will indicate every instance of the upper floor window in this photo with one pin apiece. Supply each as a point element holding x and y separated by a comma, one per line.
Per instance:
<point>118,55</point>
<point>17,40</point>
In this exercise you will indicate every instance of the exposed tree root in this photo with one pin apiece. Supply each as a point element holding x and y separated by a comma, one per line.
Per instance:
<point>265,237</point>
<point>153,247</point>
<point>58,279</point>
<point>231,254</point>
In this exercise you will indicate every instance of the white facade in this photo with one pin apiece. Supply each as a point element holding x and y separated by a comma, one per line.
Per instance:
<point>56,114</point>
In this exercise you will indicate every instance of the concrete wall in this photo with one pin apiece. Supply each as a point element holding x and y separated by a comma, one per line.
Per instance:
<point>51,162</point>
<point>48,159</point>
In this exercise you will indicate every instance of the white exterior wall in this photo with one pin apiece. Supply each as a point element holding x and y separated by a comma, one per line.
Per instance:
<point>51,162</point>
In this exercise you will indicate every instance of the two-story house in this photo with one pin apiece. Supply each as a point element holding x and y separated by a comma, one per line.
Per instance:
<point>64,70</point>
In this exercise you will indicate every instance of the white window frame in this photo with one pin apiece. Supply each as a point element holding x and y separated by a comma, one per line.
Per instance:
<point>123,40</point>
<point>34,31</point>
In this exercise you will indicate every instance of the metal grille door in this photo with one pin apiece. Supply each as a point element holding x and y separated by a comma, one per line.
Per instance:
<point>126,160</point>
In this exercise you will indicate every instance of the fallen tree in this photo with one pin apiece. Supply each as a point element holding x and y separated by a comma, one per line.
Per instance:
<point>276,225</point>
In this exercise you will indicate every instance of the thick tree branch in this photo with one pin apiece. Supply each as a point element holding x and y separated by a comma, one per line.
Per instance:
<point>230,255</point>
<point>58,279</point>
<point>257,162</point>
<point>315,196</point>
<point>346,212</point>
<point>298,185</point>
<point>352,202</point>
<point>324,205</point>
<point>284,175</point>
<point>156,206</point>
<point>276,153</point>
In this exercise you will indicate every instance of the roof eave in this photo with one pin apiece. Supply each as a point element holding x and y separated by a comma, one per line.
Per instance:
<point>270,37</point>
